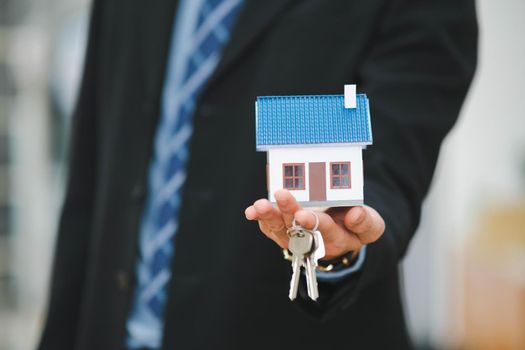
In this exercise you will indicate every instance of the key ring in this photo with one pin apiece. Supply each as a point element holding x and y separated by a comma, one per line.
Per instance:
<point>316,226</point>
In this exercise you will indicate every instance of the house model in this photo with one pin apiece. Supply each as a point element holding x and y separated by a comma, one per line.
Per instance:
<point>314,145</point>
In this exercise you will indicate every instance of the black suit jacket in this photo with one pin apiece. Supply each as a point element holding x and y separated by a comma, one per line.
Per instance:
<point>414,59</point>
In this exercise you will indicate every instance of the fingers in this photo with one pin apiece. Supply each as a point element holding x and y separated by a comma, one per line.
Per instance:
<point>274,222</point>
<point>287,205</point>
<point>365,222</point>
<point>343,230</point>
<point>251,213</point>
<point>270,221</point>
<point>336,238</point>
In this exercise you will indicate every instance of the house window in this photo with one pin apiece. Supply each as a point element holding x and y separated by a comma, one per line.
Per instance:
<point>293,176</point>
<point>340,175</point>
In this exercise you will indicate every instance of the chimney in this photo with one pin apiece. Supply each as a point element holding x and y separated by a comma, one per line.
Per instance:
<point>350,98</point>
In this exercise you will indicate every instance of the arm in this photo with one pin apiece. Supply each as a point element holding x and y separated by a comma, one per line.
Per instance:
<point>71,250</point>
<point>416,72</point>
<point>416,75</point>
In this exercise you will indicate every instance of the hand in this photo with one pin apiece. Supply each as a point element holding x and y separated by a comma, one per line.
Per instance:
<point>344,229</point>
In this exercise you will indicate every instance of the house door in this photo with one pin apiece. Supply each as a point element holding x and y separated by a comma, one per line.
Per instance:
<point>317,181</point>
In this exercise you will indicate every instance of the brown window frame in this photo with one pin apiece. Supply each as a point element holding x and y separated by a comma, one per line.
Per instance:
<point>293,177</point>
<point>340,176</point>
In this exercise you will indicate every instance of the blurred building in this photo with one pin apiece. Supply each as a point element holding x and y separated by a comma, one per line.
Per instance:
<point>35,105</point>
<point>476,196</point>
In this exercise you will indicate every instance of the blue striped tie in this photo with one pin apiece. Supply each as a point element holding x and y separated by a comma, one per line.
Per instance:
<point>167,172</point>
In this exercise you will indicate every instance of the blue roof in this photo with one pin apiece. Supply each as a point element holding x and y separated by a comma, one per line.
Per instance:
<point>316,119</point>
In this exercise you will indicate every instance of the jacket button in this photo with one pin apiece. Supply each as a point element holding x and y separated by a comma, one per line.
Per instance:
<point>138,192</point>
<point>122,281</point>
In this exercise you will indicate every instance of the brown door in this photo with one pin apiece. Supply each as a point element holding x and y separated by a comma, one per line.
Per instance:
<point>317,181</point>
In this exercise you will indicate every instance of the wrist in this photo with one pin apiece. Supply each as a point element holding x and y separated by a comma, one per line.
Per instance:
<point>332,265</point>
<point>338,263</point>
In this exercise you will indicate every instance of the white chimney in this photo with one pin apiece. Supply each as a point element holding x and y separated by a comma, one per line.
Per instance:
<point>350,98</point>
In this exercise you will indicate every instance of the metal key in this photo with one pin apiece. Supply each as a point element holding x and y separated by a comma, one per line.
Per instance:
<point>311,264</point>
<point>319,251</point>
<point>300,245</point>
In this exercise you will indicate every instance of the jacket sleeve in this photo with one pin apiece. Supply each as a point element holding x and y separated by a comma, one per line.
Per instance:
<point>416,72</point>
<point>73,239</point>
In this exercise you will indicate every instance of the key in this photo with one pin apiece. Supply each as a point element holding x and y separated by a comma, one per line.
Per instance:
<point>311,279</point>
<point>300,244</point>
<point>311,264</point>
<point>319,251</point>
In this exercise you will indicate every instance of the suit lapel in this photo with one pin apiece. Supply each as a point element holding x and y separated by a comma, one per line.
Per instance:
<point>155,38</point>
<point>254,18</point>
<point>150,27</point>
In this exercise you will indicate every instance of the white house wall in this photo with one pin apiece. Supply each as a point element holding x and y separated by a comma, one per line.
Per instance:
<point>279,156</point>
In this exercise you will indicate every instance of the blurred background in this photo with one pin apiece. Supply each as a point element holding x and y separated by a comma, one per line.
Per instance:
<point>464,275</point>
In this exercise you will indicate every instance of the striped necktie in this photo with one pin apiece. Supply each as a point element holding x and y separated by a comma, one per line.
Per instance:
<point>167,171</point>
